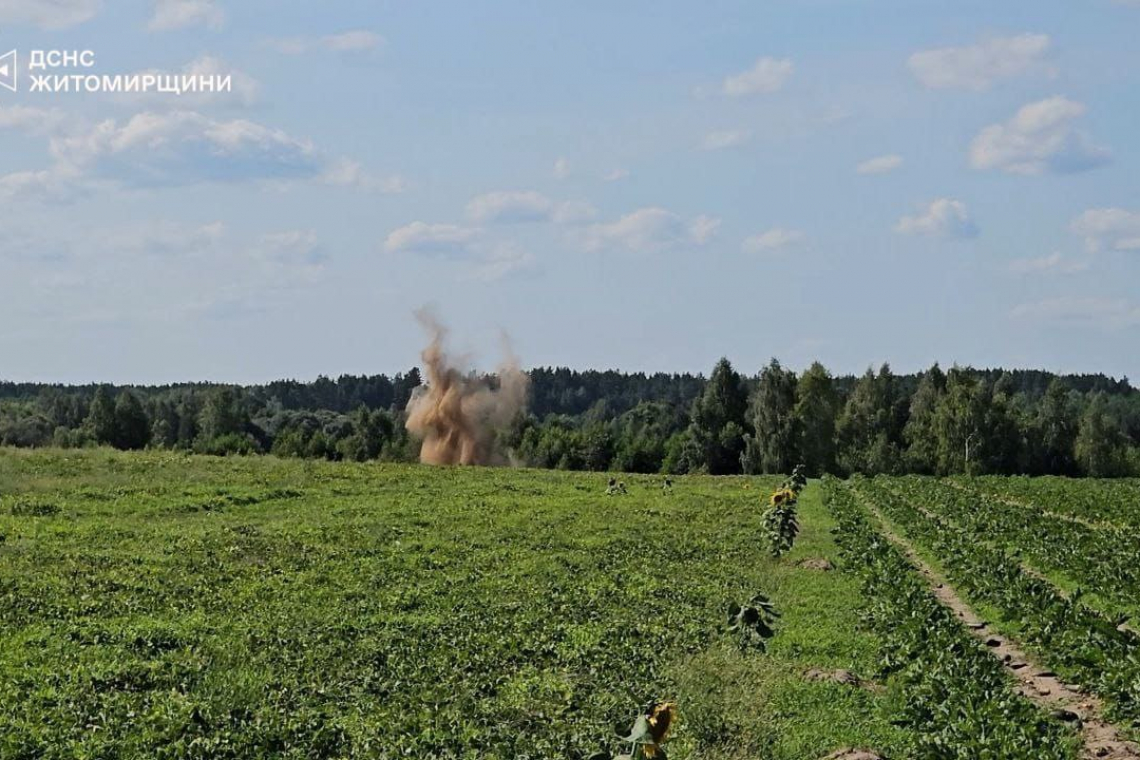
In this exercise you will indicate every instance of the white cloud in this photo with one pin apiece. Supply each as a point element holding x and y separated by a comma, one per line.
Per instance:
<point>176,148</point>
<point>502,260</point>
<point>1092,311</point>
<point>183,147</point>
<point>944,217</point>
<point>772,240</point>
<point>1039,138</point>
<point>345,173</point>
<point>616,175</point>
<point>1114,228</point>
<point>1054,263</point>
<point>514,207</point>
<point>766,75</point>
<point>420,237</point>
<point>880,164</point>
<point>48,14</point>
<point>31,119</point>
<point>56,185</point>
<point>721,140</point>
<point>649,229</point>
<point>704,228</point>
<point>179,14</point>
<point>510,207</point>
<point>977,67</point>
<point>573,212</point>
<point>561,168</point>
<point>291,248</point>
<point>163,238</point>
<point>356,41</point>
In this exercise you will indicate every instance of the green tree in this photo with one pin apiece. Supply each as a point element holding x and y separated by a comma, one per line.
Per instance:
<point>222,415</point>
<point>1100,447</point>
<point>773,447</point>
<point>718,424</point>
<point>869,430</point>
<point>920,433</point>
<point>101,419</point>
<point>1055,429</point>
<point>817,407</point>
<point>132,425</point>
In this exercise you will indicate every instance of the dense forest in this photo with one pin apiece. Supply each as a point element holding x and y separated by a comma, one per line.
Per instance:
<point>943,422</point>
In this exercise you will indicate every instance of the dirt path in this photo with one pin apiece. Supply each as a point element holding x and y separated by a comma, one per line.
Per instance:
<point>1026,568</point>
<point>1099,738</point>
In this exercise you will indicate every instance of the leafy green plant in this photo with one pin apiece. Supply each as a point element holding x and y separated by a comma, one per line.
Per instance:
<point>780,522</point>
<point>752,623</point>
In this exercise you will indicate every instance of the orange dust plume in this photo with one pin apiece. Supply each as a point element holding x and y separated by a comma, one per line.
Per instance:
<point>459,415</point>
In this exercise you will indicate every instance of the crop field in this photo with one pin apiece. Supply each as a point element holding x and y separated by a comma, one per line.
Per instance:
<point>173,606</point>
<point>157,605</point>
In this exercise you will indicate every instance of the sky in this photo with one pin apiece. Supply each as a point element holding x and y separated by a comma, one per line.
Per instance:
<point>645,186</point>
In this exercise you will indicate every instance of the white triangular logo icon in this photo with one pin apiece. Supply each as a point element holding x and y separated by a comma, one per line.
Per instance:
<point>8,71</point>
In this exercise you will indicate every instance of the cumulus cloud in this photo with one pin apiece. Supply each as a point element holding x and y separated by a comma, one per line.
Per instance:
<point>48,14</point>
<point>184,147</point>
<point>880,164</point>
<point>516,207</point>
<point>978,66</point>
<point>944,217</point>
<point>1088,311</point>
<point>1054,263</point>
<point>704,228</point>
<point>1041,137</point>
<point>179,14</point>
<point>169,149</point>
<point>355,41</point>
<point>30,119</point>
<point>766,75</point>
<point>478,256</point>
<point>1114,228</point>
<point>510,207</point>
<point>616,175</point>
<point>721,140</point>
<point>436,239</point>
<point>772,240</point>
<point>56,185</point>
<point>345,173</point>
<point>650,229</point>
<point>561,168</point>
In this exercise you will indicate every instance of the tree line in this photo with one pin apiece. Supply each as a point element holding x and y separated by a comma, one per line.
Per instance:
<point>934,422</point>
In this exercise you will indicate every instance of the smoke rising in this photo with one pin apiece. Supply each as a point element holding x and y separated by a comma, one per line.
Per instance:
<point>457,414</point>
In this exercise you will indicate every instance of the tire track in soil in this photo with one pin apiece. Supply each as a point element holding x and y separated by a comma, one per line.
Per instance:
<point>1025,568</point>
<point>1099,738</point>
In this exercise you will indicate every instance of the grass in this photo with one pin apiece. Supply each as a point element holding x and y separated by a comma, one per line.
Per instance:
<point>160,605</point>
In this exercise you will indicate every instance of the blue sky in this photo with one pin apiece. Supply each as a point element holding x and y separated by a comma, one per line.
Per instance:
<point>643,185</point>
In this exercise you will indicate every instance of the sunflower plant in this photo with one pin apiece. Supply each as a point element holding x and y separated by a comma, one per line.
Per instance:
<point>752,623</point>
<point>780,523</point>
<point>650,731</point>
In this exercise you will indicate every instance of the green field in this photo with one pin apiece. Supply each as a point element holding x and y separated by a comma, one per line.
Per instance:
<point>171,606</point>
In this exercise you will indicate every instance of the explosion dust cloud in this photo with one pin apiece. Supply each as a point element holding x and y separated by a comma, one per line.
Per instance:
<point>459,415</point>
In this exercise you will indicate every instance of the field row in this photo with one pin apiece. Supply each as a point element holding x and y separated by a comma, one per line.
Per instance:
<point>1079,642</point>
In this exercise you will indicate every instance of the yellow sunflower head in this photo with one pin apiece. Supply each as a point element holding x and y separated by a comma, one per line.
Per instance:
<point>661,718</point>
